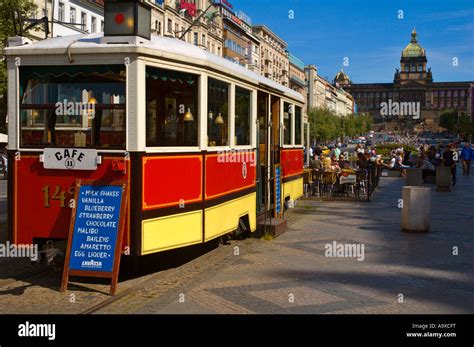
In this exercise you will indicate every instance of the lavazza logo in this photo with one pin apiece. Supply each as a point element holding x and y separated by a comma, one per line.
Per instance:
<point>92,264</point>
<point>37,330</point>
<point>394,108</point>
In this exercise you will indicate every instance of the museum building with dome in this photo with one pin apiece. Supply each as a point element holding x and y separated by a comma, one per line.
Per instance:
<point>412,82</point>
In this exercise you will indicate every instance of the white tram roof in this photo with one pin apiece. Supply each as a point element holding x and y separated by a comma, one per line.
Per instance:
<point>161,46</point>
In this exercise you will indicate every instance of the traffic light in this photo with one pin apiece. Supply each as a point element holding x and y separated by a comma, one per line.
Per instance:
<point>127,18</point>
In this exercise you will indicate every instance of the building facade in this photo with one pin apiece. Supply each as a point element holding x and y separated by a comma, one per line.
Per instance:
<point>240,45</point>
<point>274,56</point>
<point>321,93</point>
<point>297,75</point>
<point>413,99</point>
<point>75,17</point>
<point>172,18</point>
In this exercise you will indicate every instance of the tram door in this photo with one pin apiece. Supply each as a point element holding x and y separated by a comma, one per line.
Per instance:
<point>263,152</point>
<point>274,144</point>
<point>268,154</point>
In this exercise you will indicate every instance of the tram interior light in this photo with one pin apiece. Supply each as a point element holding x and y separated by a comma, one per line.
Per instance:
<point>219,119</point>
<point>188,116</point>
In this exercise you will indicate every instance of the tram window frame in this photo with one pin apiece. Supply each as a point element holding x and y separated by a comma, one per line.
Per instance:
<point>213,114</point>
<point>42,84</point>
<point>290,112</point>
<point>249,117</point>
<point>298,130</point>
<point>167,99</point>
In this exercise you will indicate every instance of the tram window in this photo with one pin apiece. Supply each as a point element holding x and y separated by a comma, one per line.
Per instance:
<point>171,108</point>
<point>287,123</point>
<point>242,116</point>
<point>218,113</point>
<point>73,106</point>
<point>298,122</point>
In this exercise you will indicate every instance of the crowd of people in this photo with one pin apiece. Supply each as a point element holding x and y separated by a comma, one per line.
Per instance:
<point>427,158</point>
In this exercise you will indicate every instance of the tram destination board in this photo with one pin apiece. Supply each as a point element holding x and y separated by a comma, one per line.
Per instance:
<point>96,231</point>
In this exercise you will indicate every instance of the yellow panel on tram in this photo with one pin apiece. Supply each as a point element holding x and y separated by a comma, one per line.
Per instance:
<point>224,218</point>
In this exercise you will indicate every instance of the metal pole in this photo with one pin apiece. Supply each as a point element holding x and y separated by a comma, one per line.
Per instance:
<point>195,21</point>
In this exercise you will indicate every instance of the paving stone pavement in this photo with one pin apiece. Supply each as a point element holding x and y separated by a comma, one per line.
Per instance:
<point>400,273</point>
<point>291,274</point>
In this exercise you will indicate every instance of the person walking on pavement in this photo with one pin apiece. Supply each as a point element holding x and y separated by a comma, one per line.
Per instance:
<point>467,154</point>
<point>448,160</point>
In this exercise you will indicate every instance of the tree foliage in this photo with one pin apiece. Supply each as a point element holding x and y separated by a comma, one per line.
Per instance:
<point>325,125</point>
<point>457,122</point>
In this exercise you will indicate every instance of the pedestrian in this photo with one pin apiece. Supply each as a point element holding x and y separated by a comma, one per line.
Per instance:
<point>448,160</point>
<point>337,151</point>
<point>467,154</point>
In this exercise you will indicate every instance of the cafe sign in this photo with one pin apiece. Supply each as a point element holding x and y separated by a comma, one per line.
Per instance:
<point>70,159</point>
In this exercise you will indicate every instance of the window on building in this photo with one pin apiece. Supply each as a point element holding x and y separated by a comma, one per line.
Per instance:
<point>242,116</point>
<point>170,26</point>
<point>101,26</point>
<point>455,93</point>
<point>203,40</point>
<point>93,25</point>
<point>61,12</point>
<point>420,67</point>
<point>171,108</point>
<point>73,106</point>
<point>463,93</point>
<point>84,21</point>
<point>298,124</point>
<point>218,113</point>
<point>195,39</point>
<point>287,114</point>
<point>176,29</point>
<point>72,15</point>
<point>412,67</point>
<point>407,68</point>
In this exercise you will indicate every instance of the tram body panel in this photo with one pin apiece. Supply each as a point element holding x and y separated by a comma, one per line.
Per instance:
<point>41,197</point>
<point>224,218</point>
<point>229,172</point>
<point>292,173</point>
<point>171,180</point>
<point>172,231</point>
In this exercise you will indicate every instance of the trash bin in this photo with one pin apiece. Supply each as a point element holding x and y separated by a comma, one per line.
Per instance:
<point>443,179</point>
<point>416,210</point>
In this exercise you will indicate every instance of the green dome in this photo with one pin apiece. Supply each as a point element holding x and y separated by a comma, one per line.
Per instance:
<point>413,49</point>
<point>341,76</point>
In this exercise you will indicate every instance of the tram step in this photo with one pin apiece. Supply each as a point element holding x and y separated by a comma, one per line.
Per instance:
<point>273,227</point>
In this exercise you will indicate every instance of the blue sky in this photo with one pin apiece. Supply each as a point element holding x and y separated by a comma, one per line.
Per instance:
<point>370,34</point>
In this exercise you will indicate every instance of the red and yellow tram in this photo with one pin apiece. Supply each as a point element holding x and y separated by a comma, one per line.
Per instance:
<point>196,137</point>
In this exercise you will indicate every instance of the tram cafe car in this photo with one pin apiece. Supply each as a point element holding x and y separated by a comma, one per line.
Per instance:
<point>195,136</point>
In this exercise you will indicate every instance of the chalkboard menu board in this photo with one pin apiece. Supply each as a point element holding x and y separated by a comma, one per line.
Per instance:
<point>95,237</point>
<point>277,190</point>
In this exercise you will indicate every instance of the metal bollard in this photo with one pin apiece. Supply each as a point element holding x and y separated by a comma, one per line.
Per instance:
<point>443,179</point>
<point>416,210</point>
